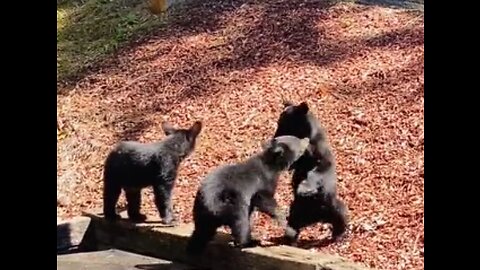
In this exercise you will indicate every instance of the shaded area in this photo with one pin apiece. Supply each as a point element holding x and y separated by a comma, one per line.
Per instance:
<point>75,236</point>
<point>409,4</point>
<point>285,30</point>
<point>63,238</point>
<point>275,32</point>
<point>400,38</point>
<point>302,243</point>
<point>88,30</point>
<point>382,80</point>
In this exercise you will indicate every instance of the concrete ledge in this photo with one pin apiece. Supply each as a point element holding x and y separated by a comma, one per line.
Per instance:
<point>113,259</point>
<point>153,239</point>
<point>71,233</point>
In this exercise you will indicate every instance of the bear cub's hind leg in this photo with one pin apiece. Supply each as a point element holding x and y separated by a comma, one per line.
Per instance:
<point>134,201</point>
<point>241,230</point>
<point>111,193</point>
<point>163,202</point>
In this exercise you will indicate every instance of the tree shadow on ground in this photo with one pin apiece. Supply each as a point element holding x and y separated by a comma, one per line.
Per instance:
<point>92,30</point>
<point>387,80</point>
<point>278,34</point>
<point>284,31</point>
<point>407,4</point>
<point>397,38</point>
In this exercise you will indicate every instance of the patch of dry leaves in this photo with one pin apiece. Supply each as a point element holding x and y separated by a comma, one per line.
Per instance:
<point>229,64</point>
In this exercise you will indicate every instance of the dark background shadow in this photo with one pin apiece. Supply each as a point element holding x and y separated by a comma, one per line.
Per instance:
<point>302,243</point>
<point>65,244</point>
<point>63,238</point>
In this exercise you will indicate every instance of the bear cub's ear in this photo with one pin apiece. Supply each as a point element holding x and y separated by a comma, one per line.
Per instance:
<point>168,128</point>
<point>286,103</point>
<point>303,108</point>
<point>195,130</point>
<point>267,144</point>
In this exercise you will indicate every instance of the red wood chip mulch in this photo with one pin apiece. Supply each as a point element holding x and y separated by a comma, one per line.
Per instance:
<point>360,68</point>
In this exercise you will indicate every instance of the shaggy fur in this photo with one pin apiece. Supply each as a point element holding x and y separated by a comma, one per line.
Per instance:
<point>132,166</point>
<point>314,179</point>
<point>229,194</point>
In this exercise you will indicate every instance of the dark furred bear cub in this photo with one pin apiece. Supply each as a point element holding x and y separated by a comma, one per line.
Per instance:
<point>229,194</point>
<point>314,179</point>
<point>132,166</point>
<point>315,197</point>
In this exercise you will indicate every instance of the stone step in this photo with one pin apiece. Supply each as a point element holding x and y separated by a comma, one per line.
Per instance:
<point>114,259</point>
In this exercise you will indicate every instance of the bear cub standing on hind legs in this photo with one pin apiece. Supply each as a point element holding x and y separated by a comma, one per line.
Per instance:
<point>229,194</point>
<point>314,180</point>
<point>132,166</point>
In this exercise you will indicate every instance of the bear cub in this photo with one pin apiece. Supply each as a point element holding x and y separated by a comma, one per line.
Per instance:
<point>229,194</point>
<point>314,178</point>
<point>132,166</point>
<point>315,197</point>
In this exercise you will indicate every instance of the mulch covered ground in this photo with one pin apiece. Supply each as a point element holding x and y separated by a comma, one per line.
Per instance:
<point>360,68</point>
